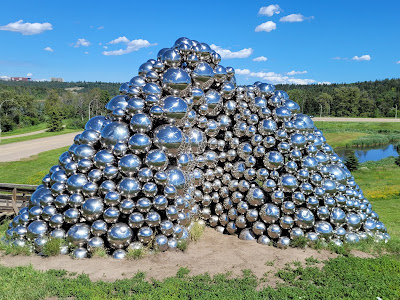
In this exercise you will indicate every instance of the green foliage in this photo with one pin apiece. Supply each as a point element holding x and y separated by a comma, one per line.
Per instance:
<point>52,247</point>
<point>182,245</point>
<point>196,232</point>
<point>53,109</point>
<point>300,242</point>
<point>311,261</point>
<point>100,252</point>
<point>352,162</point>
<point>132,254</point>
<point>182,272</point>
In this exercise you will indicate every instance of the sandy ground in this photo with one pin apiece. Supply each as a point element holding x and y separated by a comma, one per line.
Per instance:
<point>213,253</point>
<point>376,120</point>
<point>16,151</point>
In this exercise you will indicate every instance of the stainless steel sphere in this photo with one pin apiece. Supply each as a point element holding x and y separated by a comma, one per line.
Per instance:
<point>78,234</point>
<point>119,235</point>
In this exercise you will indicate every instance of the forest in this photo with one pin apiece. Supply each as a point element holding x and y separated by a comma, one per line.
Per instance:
<point>32,102</point>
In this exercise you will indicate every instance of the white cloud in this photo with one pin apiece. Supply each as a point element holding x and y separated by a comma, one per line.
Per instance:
<point>86,52</point>
<point>293,72</point>
<point>48,49</point>
<point>27,28</point>
<point>273,77</point>
<point>260,58</point>
<point>398,62</point>
<point>100,27</point>
<point>295,18</point>
<point>225,53</point>
<point>267,26</point>
<point>29,75</point>
<point>131,46</point>
<point>324,82</point>
<point>362,57</point>
<point>269,10</point>
<point>82,42</point>
<point>121,39</point>
<point>105,47</point>
<point>338,58</point>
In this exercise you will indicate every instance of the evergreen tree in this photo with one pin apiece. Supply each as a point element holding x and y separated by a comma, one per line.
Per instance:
<point>53,111</point>
<point>352,162</point>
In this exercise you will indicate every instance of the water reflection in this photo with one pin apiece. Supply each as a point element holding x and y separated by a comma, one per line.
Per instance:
<point>372,153</point>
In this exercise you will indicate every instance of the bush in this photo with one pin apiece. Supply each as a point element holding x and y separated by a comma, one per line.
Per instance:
<point>52,247</point>
<point>76,124</point>
<point>352,162</point>
<point>136,254</point>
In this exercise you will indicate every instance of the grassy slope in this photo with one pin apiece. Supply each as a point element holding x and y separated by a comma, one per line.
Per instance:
<point>37,127</point>
<point>32,170</point>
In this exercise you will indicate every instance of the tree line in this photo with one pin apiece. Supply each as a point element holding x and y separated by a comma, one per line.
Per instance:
<point>36,102</point>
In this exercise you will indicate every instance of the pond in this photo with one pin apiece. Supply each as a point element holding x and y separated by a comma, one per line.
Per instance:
<point>371,153</point>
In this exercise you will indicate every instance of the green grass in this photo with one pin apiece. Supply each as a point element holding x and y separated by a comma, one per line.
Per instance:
<point>32,170</point>
<point>23,130</point>
<point>132,254</point>
<point>52,247</point>
<point>380,182</point>
<point>100,252</point>
<point>37,136</point>
<point>358,126</point>
<point>196,232</point>
<point>342,277</point>
<point>359,134</point>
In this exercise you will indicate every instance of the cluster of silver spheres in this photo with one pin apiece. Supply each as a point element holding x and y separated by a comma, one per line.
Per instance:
<point>183,142</point>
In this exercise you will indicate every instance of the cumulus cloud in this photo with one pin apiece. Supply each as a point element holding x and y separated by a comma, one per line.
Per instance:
<point>86,52</point>
<point>260,58</point>
<point>269,10</point>
<point>324,83</point>
<point>293,72</point>
<point>29,75</point>
<point>267,26</point>
<point>295,18</point>
<point>27,28</point>
<point>131,46</point>
<point>365,57</point>
<point>272,77</point>
<point>82,42</point>
<point>48,49</point>
<point>100,27</point>
<point>121,39</point>
<point>398,62</point>
<point>225,53</point>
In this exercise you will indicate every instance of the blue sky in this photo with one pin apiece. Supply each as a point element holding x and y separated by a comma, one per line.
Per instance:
<point>302,41</point>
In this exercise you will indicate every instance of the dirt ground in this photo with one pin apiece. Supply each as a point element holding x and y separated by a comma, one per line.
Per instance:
<point>213,253</point>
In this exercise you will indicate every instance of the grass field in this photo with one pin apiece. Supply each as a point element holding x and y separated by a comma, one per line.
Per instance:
<point>359,134</point>
<point>31,170</point>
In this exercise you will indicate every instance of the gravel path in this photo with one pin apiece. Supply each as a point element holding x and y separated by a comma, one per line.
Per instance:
<point>19,150</point>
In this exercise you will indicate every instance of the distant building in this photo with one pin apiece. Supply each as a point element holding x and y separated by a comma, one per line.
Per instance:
<point>21,79</point>
<point>57,79</point>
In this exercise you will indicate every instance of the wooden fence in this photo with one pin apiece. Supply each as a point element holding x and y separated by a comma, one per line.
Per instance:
<point>13,197</point>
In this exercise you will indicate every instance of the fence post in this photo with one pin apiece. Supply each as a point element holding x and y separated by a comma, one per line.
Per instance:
<point>14,201</point>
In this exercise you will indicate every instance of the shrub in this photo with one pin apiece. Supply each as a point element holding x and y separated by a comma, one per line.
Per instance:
<point>397,161</point>
<point>100,252</point>
<point>136,254</point>
<point>196,231</point>
<point>52,247</point>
